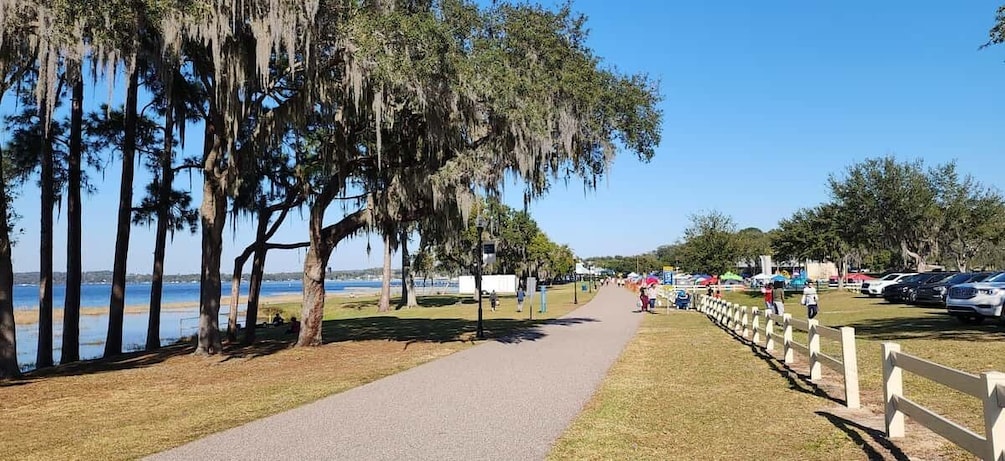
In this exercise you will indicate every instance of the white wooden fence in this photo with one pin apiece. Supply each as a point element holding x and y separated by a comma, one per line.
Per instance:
<point>746,323</point>
<point>988,387</point>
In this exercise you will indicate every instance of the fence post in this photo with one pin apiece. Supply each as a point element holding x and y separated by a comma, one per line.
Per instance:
<point>737,318</point>
<point>769,332</point>
<point>814,345</point>
<point>746,322</point>
<point>756,324</point>
<point>787,338</point>
<point>849,358</point>
<point>893,388</point>
<point>994,414</point>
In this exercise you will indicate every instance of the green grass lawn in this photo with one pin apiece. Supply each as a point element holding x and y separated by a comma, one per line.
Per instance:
<point>144,402</point>
<point>686,389</point>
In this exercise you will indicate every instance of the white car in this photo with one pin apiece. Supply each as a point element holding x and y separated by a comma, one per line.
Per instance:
<point>973,302</point>
<point>875,288</point>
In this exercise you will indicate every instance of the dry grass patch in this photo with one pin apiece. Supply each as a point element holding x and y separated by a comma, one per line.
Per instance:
<point>148,402</point>
<point>685,389</point>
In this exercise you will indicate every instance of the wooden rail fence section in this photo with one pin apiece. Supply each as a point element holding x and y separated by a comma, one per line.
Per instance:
<point>745,322</point>
<point>988,387</point>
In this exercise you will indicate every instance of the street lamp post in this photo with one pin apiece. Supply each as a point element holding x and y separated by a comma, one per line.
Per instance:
<point>480,225</point>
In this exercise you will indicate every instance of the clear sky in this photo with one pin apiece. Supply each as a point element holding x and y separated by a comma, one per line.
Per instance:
<point>763,100</point>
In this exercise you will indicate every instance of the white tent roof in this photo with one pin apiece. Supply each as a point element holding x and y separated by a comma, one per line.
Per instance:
<point>763,276</point>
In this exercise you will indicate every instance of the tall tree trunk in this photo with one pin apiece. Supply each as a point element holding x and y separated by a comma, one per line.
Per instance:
<point>117,303</point>
<point>254,292</point>
<point>403,238</point>
<point>313,310</point>
<point>919,261</point>
<point>214,215</point>
<point>385,286</point>
<point>407,275</point>
<point>235,296</point>
<point>71,301</point>
<point>160,238</point>
<point>8,336</point>
<point>322,241</point>
<point>43,356</point>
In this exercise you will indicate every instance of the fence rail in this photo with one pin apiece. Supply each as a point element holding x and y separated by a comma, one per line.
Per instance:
<point>989,387</point>
<point>745,322</point>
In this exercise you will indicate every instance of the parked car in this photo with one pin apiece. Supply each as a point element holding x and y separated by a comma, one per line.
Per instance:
<point>905,290</point>
<point>974,302</point>
<point>875,288</point>
<point>935,292</point>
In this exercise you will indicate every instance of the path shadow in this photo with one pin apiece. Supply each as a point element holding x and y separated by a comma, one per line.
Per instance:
<point>935,325</point>
<point>872,441</point>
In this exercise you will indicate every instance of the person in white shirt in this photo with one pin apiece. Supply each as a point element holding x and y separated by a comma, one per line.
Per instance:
<point>810,300</point>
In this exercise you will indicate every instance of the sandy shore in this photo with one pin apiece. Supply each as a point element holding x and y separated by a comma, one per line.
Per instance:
<point>30,316</point>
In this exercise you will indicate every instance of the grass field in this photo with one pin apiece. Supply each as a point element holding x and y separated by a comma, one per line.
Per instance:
<point>143,403</point>
<point>671,393</point>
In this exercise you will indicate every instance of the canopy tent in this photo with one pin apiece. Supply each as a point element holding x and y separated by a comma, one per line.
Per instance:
<point>632,275</point>
<point>762,276</point>
<point>779,278</point>
<point>858,277</point>
<point>730,276</point>
<point>652,280</point>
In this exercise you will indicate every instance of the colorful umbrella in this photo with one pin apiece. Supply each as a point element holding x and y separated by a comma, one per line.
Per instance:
<point>652,280</point>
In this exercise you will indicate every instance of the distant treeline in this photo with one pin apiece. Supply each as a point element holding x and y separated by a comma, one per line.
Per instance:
<point>106,276</point>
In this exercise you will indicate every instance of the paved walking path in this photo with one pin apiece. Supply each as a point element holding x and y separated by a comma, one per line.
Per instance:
<point>502,400</point>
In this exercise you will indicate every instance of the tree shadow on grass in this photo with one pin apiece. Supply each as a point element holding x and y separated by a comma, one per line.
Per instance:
<point>270,340</point>
<point>411,330</point>
<point>939,326</point>
<point>872,441</point>
<point>126,361</point>
<point>424,301</point>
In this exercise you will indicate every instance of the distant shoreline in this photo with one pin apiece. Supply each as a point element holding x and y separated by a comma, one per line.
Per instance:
<point>30,316</point>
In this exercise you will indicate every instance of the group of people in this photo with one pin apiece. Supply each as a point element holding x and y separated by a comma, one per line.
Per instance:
<point>774,299</point>
<point>647,298</point>
<point>277,320</point>
<point>520,296</point>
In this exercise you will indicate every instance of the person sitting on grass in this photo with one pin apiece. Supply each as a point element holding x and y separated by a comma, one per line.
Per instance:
<point>294,326</point>
<point>277,319</point>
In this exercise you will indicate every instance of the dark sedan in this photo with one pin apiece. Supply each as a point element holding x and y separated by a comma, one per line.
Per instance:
<point>934,293</point>
<point>905,290</point>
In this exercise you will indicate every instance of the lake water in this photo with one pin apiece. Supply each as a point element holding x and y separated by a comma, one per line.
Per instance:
<point>174,323</point>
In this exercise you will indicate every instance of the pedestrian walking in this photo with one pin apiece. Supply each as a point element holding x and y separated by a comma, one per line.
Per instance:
<point>519,299</point>
<point>769,300</point>
<point>810,300</point>
<point>652,293</point>
<point>643,300</point>
<point>778,294</point>
<point>494,300</point>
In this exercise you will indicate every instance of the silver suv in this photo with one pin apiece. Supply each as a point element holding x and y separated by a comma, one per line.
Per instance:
<point>973,302</point>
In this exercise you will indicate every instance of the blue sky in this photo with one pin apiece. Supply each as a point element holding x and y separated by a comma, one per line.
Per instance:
<point>763,100</point>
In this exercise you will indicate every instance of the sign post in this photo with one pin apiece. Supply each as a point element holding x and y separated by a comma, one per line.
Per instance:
<point>544,300</point>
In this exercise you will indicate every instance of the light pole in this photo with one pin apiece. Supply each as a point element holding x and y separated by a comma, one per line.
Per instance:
<point>480,225</point>
<point>575,285</point>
